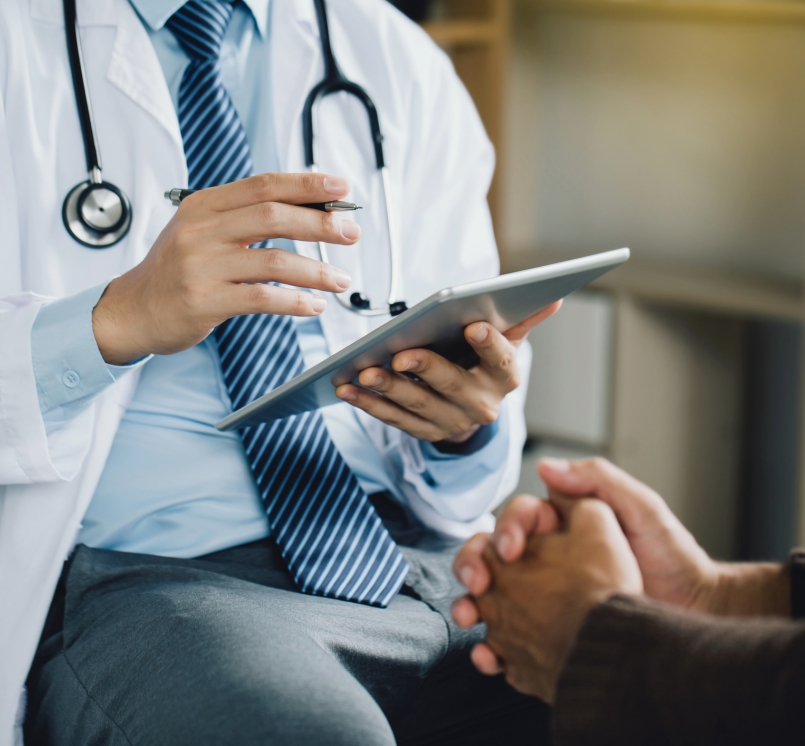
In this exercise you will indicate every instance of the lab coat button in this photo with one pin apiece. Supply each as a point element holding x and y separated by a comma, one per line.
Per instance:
<point>71,379</point>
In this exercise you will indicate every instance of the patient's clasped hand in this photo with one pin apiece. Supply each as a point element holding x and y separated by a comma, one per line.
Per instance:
<point>601,534</point>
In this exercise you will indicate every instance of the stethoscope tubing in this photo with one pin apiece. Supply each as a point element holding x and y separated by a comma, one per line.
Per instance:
<point>392,303</point>
<point>93,153</point>
<point>335,81</point>
<point>88,231</point>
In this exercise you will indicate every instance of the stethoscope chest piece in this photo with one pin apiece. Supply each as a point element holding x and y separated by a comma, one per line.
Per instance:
<point>96,215</point>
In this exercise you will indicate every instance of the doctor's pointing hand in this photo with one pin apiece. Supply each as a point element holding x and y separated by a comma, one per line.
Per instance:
<point>200,271</point>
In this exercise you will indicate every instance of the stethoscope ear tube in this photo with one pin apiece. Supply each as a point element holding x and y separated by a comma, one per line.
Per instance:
<point>80,87</point>
<point>334,80</point>
<point>95,213</point>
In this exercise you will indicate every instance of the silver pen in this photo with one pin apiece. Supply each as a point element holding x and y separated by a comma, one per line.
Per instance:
<point>177,195</point>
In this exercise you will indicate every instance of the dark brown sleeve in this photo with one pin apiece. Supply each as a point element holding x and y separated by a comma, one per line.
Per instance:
<point>645,673</point>
<point>797,575</point>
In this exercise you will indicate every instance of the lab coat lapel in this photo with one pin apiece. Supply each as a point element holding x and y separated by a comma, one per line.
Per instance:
<point>135,70</point>
<point>297,66</point>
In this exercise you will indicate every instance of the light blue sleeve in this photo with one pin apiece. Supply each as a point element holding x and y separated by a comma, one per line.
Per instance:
<point>480,456</point>
<point>67,363</point>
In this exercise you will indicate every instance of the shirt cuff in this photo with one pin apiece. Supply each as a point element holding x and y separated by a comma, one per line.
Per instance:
<point>457,473</point>
<point>444,449</point>
<point>67,363</point>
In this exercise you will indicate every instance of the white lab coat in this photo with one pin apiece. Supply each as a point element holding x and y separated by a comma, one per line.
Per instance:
<point>440,163</point>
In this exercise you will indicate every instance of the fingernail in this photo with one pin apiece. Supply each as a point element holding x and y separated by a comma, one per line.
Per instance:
<point>336,185</point>
<point>466,575</point>
<point>318,304</point>
<point>350,230</point>
<point>406,365</point>
<point>346,395</point>
<point>480,334</point>
<point>342,279</point>
<point>557,464</point>
<point>504,545</point>
<point>376,381</point>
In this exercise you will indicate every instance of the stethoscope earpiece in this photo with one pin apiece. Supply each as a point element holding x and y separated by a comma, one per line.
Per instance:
<point>361,302</point>
<point>395,309</point>
<point>358,300</point>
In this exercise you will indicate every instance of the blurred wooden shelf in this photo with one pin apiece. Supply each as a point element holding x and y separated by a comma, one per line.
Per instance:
<point>705,289</point>
<point>697,288</point>
<point>453,33</point>
<point>730,10</point>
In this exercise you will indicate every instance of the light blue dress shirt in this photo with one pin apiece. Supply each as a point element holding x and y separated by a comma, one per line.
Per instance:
<point>174,485</point>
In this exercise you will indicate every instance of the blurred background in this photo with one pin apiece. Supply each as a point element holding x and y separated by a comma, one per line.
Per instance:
<point>674,127</point>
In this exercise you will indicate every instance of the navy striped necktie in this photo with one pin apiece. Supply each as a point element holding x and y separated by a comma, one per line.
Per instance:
<point>330,535</point>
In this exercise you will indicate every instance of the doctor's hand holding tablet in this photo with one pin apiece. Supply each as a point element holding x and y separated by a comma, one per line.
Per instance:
<point>445,401</point>
<point>200,272</point>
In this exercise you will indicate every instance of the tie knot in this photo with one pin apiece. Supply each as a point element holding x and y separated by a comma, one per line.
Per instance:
<point>199,26</point>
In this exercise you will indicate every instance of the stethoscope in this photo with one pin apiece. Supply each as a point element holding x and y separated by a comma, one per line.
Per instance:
<point>334,81</point>
<point>97,214</point>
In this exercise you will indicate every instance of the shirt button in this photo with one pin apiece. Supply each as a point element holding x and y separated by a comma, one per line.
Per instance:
<point>71,379</point>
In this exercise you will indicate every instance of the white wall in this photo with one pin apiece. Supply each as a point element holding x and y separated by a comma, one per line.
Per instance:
<point>680,138</point>
<point>571,372</point>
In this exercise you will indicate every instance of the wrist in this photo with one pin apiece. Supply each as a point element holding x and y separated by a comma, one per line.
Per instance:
<point>116,342</point>
<point>748,589</point>
<point>463,437</point>
<point>573,623</point>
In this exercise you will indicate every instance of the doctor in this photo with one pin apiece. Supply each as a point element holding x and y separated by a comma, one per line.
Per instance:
<point>179,618</point>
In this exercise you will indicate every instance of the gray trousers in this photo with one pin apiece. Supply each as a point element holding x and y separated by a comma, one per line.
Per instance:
<point>222,649</point>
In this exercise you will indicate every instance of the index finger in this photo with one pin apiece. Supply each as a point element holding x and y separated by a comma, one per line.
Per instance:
<point>520,331</point>
<point>293,189</point>
<point>497,354</point>
<point>470,567</point>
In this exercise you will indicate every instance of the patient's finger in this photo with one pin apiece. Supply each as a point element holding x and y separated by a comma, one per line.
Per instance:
<point>485,660</point>
<point>469,566</point>
<point>634,503</point>
<point>523,516</point>
<point>465,612</point>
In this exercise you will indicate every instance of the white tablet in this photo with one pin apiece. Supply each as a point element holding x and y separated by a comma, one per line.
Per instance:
<point>436,323</point>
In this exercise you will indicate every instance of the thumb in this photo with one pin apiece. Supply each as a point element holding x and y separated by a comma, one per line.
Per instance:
<point>523,516</point>
<point>636,506</point>
<point>564,506</point>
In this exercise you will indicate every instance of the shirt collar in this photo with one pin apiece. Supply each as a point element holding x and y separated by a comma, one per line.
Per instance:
<point>156,12</point>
